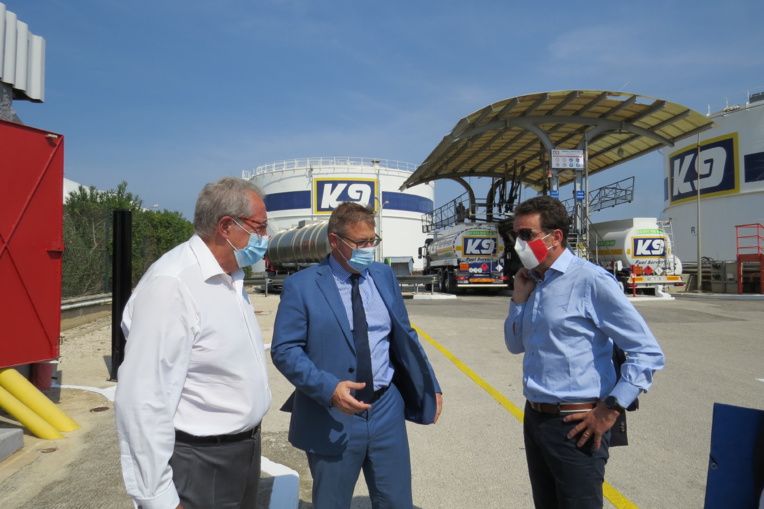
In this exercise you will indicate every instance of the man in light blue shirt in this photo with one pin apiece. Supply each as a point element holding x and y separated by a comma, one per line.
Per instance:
<point>565,315</point>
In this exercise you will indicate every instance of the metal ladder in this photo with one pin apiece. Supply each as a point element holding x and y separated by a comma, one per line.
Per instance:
<point>668,259</point>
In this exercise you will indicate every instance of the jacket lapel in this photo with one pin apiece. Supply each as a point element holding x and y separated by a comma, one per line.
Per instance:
<point>328,287</point>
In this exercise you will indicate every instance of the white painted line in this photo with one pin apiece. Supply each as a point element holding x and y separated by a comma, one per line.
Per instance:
<point>108,392</point>
<point>760,379</point>
<point>286,484</point>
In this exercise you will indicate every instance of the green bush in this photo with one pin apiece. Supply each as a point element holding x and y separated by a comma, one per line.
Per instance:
<point>86,263</point>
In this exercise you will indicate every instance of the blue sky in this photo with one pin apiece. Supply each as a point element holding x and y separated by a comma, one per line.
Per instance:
<point>169,95</point>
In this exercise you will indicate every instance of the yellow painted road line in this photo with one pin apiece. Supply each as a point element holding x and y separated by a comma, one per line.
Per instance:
<point>613,495</point>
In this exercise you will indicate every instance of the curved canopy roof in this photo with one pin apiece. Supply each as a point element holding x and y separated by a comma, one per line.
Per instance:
<point>512,138</point>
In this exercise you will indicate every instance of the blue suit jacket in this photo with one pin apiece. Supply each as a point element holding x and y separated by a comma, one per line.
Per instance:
<point>313,348</point>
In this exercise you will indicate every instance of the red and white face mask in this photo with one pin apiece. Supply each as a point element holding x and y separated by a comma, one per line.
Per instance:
<point>532,253</point>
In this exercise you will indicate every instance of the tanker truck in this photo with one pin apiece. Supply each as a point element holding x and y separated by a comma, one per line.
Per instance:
<point>465,255</point>
<point>638,251</point>
<point>294,249</point>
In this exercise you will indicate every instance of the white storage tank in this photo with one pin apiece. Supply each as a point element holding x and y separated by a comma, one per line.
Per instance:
<point>731,182</point>
<point>307,190</point>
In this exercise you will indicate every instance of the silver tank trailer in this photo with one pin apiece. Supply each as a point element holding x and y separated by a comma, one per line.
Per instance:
<point>299,246</point>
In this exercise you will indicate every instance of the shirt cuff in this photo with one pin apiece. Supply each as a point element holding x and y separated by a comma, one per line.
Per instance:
<point>625,393</point>
<point>168,499</point>
<point>515,310</point>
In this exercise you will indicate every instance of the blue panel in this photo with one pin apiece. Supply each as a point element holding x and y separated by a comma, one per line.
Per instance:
<point>754,167</point>
<point>717,170</point>
<point>301,200</point>
<point>406,202</point>
<point>736,463</point>
<point>287,201</point>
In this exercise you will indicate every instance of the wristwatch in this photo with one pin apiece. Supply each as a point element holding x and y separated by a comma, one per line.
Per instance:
<point>612,403</point>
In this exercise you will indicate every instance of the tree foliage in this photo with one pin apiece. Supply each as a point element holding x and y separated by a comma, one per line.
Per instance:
<point>88,237</point>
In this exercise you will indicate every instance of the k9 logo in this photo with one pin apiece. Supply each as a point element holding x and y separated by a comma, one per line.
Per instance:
<point>329,193</point>
<point>712,171</point>
<point>479,246</point>
<point>649,247</point>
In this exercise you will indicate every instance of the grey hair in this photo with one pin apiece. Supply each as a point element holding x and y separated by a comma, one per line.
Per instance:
<point>228,196</point>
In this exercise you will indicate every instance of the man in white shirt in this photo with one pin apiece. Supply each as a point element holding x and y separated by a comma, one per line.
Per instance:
<point>193,386</point>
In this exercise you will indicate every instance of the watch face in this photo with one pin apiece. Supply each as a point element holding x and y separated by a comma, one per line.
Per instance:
<point>612,403</point>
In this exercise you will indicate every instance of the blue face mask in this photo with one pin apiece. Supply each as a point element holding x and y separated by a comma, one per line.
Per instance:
<point>253,252</point>
<point>361,257</point>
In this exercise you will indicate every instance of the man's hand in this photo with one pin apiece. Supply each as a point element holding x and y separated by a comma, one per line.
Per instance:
<point>524,285</point>
<point>343,401</point>
<point>594,424</point>
<point>439,408</point>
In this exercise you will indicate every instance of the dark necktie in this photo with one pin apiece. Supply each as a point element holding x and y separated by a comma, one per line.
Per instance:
<point>361,338</point>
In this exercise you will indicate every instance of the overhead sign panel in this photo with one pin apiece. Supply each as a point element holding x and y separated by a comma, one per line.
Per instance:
<point>568,159</point>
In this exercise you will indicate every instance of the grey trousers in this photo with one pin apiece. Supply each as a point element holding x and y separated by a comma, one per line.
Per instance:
<point>217,476</point>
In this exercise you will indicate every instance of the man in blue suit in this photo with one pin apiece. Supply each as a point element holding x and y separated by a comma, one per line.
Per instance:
<point>349,409</point>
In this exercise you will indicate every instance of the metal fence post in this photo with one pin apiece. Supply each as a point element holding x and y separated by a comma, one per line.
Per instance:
<point>121,283</point>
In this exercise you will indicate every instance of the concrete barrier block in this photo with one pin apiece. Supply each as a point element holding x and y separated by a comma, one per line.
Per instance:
<point>11,440</point>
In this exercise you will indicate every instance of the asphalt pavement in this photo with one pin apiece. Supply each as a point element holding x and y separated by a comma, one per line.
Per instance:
<point>473,457</point>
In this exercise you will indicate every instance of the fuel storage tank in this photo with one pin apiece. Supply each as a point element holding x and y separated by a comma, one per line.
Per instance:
<point>728,187</point>
<point>307,190</point>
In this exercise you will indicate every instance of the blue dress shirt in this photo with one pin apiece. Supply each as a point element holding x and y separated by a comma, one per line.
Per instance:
<point>566,329</point>
<point>377,318</point>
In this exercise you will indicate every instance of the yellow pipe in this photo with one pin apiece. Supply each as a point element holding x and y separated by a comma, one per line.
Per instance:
<point>28,418</point>
<point>29,395</point>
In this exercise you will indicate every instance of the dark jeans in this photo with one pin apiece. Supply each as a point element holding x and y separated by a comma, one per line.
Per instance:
<point>219,476</point>
<point>562,474</point>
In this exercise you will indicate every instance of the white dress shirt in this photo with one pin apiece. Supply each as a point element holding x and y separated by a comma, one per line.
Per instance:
<point>194,361</point>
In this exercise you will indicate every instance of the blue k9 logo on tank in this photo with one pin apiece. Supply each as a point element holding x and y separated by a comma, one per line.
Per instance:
<point>715,174</point>
<point>328,193</point>
<point>649,247</point>
<point>478,246</point>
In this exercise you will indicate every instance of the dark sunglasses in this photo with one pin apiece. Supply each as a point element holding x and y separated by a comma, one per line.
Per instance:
<point>526,234</point>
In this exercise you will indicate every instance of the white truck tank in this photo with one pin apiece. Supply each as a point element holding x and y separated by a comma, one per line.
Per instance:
<point>639,245</point>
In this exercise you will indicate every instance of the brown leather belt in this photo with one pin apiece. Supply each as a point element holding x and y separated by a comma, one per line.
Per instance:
<point>556,408</point>
<point>184,437</point>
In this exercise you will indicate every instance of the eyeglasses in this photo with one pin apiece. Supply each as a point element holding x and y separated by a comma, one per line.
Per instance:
<point>526,234</point>
<point>359,244</point>
<point>260,228</point>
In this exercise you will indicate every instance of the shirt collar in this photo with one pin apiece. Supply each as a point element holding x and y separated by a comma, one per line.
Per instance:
<point>561,264</point>
<point>208,264</point>
<point>340,272</point>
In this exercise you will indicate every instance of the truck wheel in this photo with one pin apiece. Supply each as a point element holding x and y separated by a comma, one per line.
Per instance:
<point>451,284</point>
<point>443,288</point>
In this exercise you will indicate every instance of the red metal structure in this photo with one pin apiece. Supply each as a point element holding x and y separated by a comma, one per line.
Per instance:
<point>750,249</point>
<point>31,243</point>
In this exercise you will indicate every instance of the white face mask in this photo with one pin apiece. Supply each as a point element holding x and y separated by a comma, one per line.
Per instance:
<point>532,253</point>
